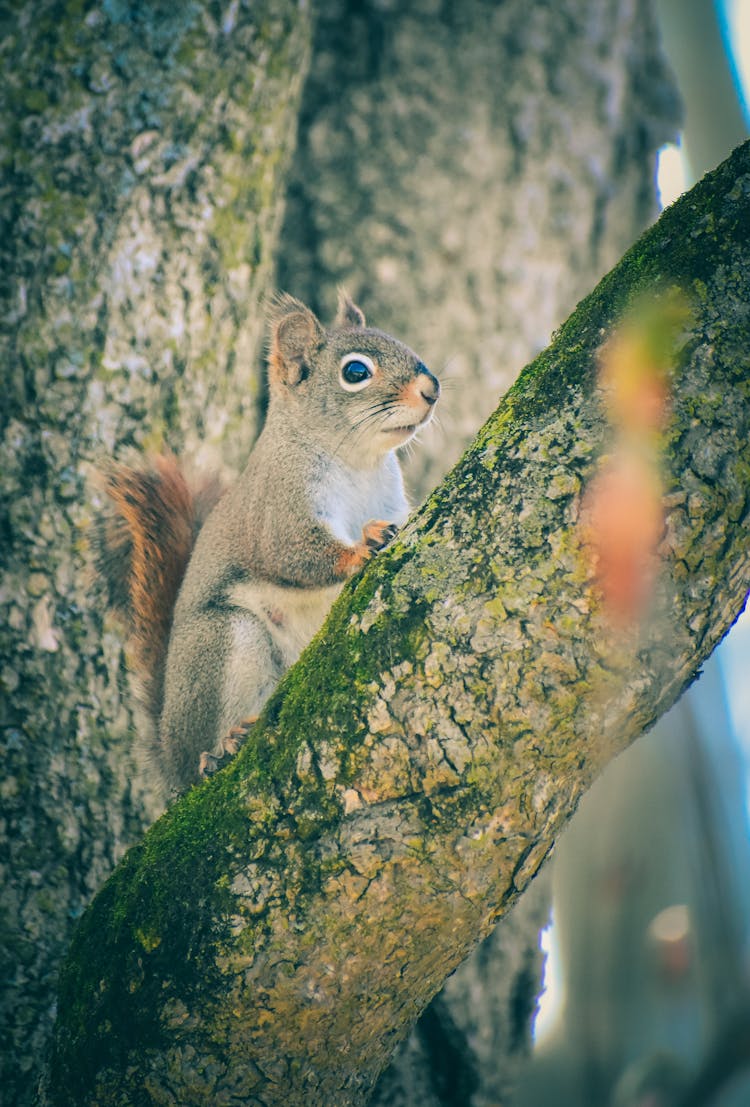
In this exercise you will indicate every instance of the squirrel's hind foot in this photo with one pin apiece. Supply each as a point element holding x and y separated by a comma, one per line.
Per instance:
<point>212,760</point>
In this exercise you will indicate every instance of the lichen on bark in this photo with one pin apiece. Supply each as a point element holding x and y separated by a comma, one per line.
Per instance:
<point>281,927</point>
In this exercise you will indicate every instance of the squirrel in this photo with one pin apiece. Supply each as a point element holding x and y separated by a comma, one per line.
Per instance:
<point>221,590</point>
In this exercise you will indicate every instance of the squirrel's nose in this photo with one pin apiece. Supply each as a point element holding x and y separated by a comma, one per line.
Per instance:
<point>429,386</point>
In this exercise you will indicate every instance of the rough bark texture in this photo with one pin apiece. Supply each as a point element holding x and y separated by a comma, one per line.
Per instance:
<point>279,929</point>
<point>470,169</point>
<point>468,1046</point>
<point>143,157</point>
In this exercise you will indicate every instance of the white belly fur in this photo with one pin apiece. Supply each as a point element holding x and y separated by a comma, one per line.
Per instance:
<point>292,616</point>
<point>349,498</point>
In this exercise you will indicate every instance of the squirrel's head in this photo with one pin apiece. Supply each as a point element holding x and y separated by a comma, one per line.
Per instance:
<point>363,392</point>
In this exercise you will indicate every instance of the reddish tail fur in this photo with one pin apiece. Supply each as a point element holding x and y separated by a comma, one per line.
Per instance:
<point>144,542</point>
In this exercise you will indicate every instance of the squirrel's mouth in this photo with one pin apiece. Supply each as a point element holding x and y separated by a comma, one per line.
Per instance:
<point>398,436</point>
<point>406,430</point>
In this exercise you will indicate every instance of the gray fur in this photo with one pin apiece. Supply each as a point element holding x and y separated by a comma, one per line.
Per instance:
<point>270,558</point>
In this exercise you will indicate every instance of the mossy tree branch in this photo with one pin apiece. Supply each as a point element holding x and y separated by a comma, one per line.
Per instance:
<point>281,926</point>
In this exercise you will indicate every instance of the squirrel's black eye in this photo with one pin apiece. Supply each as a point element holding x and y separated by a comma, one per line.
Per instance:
<point>356,371</point>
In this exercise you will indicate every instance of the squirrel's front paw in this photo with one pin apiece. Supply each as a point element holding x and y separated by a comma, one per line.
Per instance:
<point>375,535</point>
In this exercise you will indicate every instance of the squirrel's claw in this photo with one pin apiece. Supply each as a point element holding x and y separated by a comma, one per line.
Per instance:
<point>211,761</point>
<point>377,534</point>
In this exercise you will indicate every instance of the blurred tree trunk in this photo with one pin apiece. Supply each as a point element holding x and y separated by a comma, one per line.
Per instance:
<point>143,157</point>
<point>469,170</point>
<point>713,119</point>
<point>281,926</point>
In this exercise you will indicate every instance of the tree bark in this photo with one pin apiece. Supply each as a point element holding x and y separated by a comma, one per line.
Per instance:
<point>471,1043</point>
<point>144,150</point>
<point>280,928</point>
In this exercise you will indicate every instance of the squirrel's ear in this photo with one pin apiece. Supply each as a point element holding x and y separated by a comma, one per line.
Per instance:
<point>295,334</point>
<point>348,314</point>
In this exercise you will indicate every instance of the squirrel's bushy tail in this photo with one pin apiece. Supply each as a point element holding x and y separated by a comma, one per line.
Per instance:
<point>143,542</point>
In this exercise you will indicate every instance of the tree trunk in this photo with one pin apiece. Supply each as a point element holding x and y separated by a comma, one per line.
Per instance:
<point>144,156</point>
<point>280,928</point>
<point>144,153</point>
<point>152,139</point>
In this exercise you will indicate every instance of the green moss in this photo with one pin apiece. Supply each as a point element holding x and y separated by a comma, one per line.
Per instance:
<point>149,940</point>
<point>154,932</point>
<point>35,101</point>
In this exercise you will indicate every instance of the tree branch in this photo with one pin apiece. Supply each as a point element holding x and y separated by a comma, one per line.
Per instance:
<point>283,925</point>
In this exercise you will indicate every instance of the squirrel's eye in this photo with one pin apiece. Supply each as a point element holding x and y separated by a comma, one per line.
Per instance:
<point>356,371</point>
